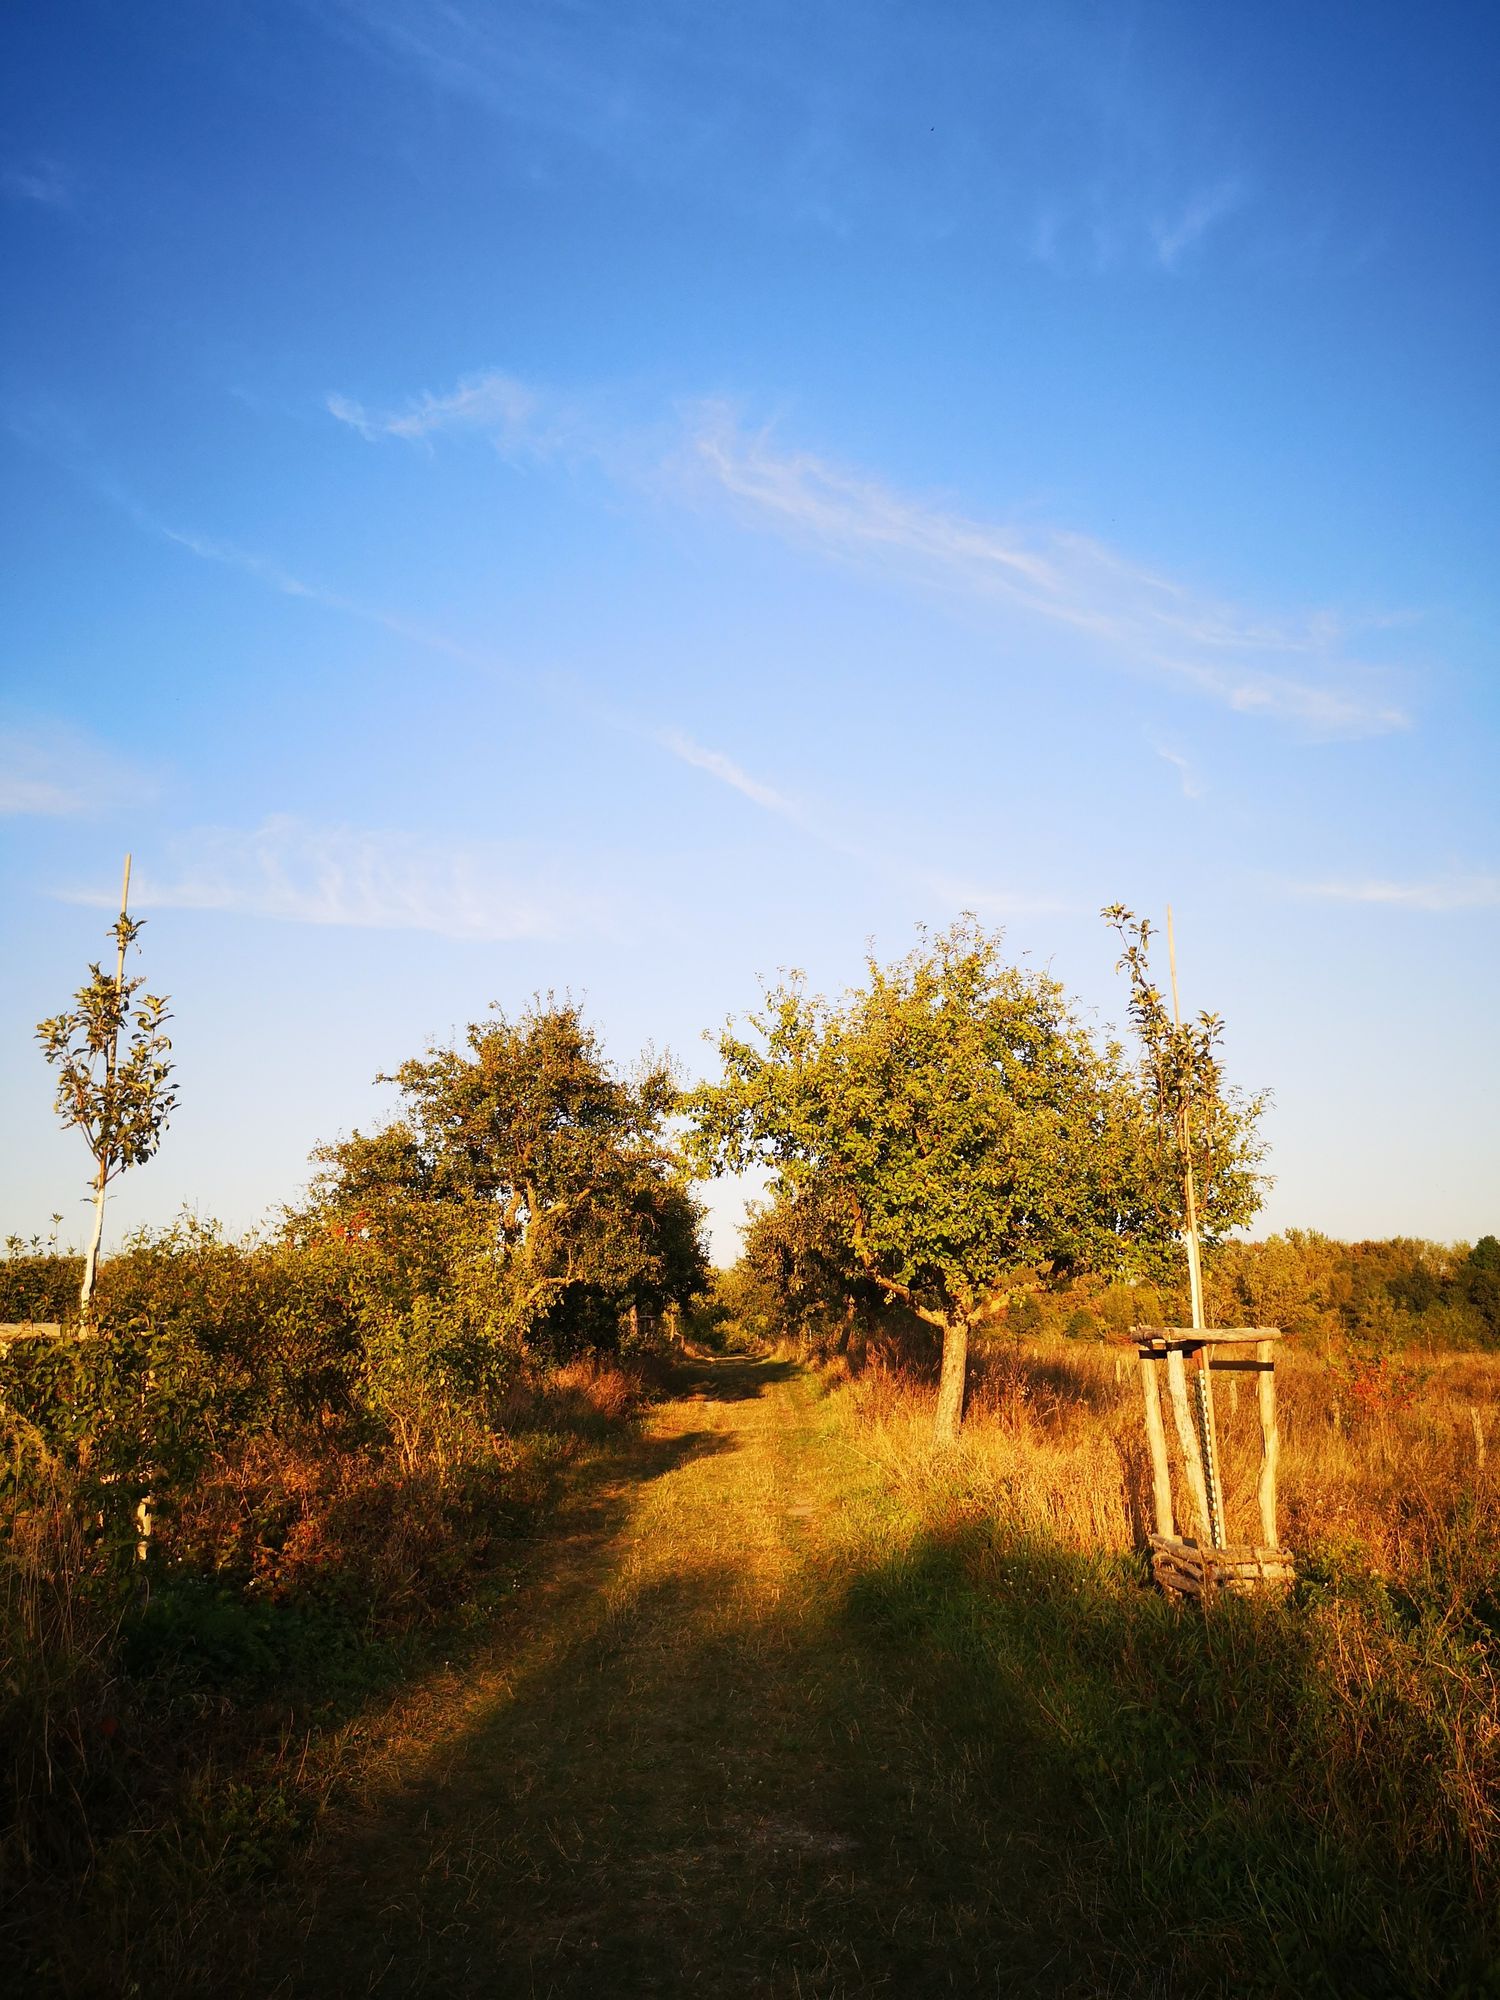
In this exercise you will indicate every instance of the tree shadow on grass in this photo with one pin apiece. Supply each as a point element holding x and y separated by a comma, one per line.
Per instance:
<point>967,1770</point>
<point>730,1379</point>
<point>143,1907</point>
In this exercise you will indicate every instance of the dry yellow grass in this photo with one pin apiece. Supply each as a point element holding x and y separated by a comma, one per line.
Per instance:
<point>1054,1442</point>
<point>1381,1673</point>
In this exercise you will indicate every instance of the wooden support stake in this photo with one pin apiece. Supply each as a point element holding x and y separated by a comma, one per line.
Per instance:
<point>1270,1444</point>
<point>1156,1437</point>
<point>1208,1433</point>
<point>1213,1510</point>
<point>1189,1183</point>
<point>1187,1437</point>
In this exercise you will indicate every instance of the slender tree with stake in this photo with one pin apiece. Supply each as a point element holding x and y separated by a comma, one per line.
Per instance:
<point>113,1074</point>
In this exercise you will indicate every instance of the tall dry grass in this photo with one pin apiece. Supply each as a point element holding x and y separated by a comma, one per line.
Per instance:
<point>1054,1440</point>
<point>157,1720</point>
<point>1358,1725</point>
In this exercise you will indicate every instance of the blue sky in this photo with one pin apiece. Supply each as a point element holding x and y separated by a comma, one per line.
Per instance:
<point>623,498</point>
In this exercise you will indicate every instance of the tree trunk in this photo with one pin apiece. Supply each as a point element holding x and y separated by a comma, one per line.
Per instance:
<point>91,1258</point>
<point>953,1383</point>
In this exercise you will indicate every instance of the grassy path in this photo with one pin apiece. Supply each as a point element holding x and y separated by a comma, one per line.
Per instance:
<point>681,1770</point>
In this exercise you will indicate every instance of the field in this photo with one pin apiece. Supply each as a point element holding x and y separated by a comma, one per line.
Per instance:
<point>778,1698</point>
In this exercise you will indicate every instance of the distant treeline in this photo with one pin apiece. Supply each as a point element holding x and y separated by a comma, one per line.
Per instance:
<point>1389,1295</point>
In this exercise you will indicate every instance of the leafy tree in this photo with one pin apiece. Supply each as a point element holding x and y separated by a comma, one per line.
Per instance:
<point>119,1101</point>
<point>565,1167</point>
<point>1200,1133</point>
<point>798,1251</point>
<point>1482,1283</point>
<point>958,1121</point>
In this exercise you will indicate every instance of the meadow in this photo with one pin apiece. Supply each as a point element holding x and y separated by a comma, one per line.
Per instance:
<point>1314,1784</point>
<point>771,1583</point>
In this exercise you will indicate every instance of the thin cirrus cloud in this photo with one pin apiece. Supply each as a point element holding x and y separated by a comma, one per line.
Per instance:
<point>729,773</point>
<point>1290,669</point>
<point>41,182</point>
<point>51,772</point>
<point>1192,785</point>
<point>790,113</point>
<point>1108,225</point>
<point>1185,231</point>
<point>295,872</point>
<point>1296,670</point>
<point>1441,893</point>
<point>956,892</point>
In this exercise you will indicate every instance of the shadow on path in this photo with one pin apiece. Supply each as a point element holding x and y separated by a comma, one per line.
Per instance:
<point>723,1752</point>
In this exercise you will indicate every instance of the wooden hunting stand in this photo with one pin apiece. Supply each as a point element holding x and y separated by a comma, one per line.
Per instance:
<point>1202,1563</point>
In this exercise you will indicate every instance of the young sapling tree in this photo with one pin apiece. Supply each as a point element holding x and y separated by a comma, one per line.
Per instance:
<point>113,1074</point>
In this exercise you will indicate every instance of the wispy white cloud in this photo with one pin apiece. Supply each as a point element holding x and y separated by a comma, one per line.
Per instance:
<point>53,772</point>
<point>505,409</point>
<point>955,892</point>
<point>1254,664</point>
<point>1439,893</point>
<point>286,583</point>
<point>1053,132</point>
<point>678,743</point>
<point>1192,784</point>
<point>42,182</point>
<point>1297,669</point>
<point>729,773</point>
<point>1189,225</point>
<point>297,872</point>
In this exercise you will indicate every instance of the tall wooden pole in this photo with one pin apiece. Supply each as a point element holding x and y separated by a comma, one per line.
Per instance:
<point>1185,1134</point>
<point>101,1179</point>
<point>1214,1493</point>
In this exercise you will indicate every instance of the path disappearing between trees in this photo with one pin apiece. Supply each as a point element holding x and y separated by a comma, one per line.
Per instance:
<point>693,1762</point>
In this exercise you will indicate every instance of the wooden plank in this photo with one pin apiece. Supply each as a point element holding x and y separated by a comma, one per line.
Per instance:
<point>1208,1435</point>
<point>1187,1437</point>
<point>1156,1438</point>
<point>1207,1336</point>
<point>1270,1447</point>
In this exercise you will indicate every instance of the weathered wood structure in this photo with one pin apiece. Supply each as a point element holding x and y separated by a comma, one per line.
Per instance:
<point>1189,1553</point>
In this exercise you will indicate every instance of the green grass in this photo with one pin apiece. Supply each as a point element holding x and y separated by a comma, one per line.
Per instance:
<point>771,1715</point>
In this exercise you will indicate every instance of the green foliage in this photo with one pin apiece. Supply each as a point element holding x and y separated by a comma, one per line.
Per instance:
<point>1191,1116</point>
<point>798,1274</point>
<point>37,1284</point>
<point>120,1103</point>
<point>959,1125</point>
<point>1379,1296</point>
<point>1482,1284</point>
<point>573,1198</point>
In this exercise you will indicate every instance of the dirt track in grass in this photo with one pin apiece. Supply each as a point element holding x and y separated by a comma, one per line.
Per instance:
<point>679,1768</point>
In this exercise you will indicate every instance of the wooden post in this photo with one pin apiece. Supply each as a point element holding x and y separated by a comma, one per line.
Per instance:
<point>1213,1512</point>
<point>1208,1432</point>
<point>1189,1183</point>
<point>1187,1437</point>
<point>1270,1442</point>
<point>1156,1437</point>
